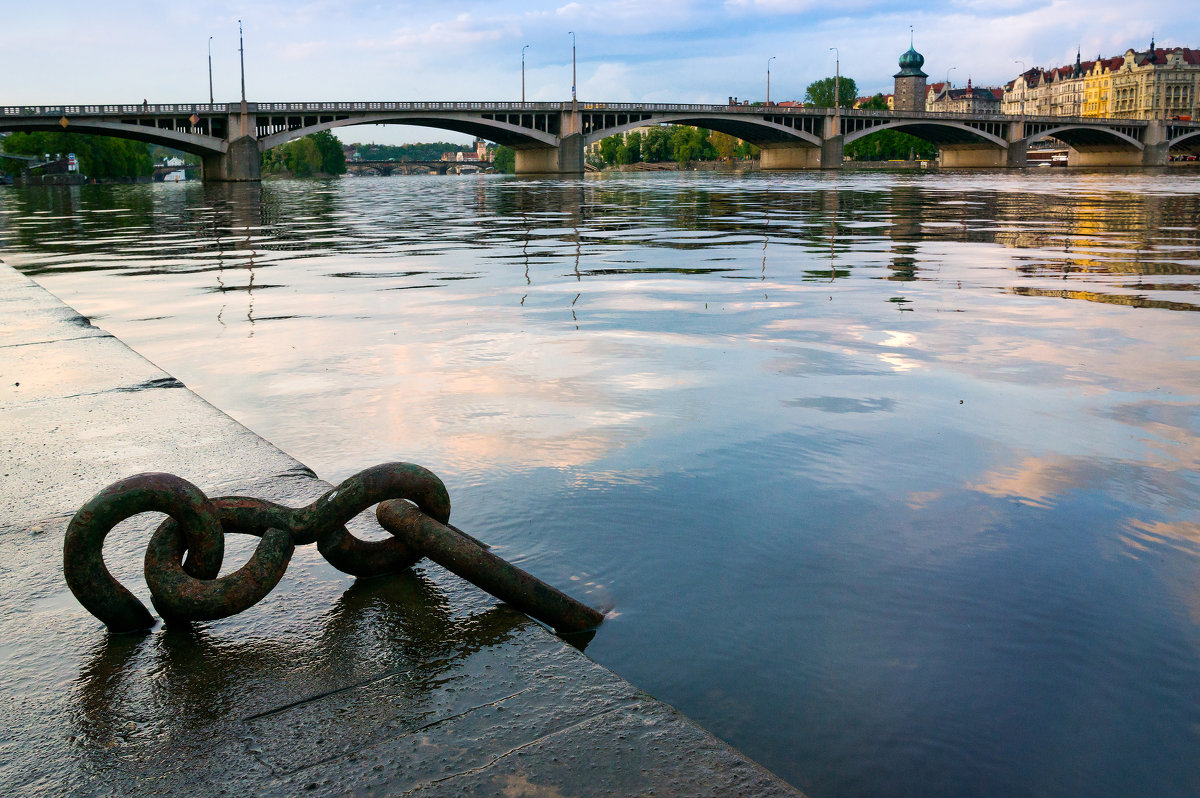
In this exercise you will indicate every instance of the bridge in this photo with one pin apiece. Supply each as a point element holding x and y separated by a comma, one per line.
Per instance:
<point>550,138</point>
<point>388,168</point>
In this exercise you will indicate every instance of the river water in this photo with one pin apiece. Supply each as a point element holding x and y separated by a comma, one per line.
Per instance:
<point>890,480</point>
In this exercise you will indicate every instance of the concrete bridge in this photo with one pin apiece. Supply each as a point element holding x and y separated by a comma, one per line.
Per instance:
<point>549,138</point>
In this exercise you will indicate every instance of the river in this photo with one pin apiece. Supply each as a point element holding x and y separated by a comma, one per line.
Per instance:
<point>890,480</point>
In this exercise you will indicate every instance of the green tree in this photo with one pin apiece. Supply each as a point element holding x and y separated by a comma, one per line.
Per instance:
<point>657,147</point>
<point>505,160</point>
<point>99,156</point>
<point>820,92</point>
<point>315,153</point>
<point>634,142</point>
<point>745,149</point>
<point>333,158</point>
<point>877,103</point>
<point>423,151</point>
<point>890,145</point>
<point>724,144</point>
<point>608,149</point>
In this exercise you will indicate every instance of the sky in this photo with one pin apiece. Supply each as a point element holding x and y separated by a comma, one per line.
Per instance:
<point>626,50</point>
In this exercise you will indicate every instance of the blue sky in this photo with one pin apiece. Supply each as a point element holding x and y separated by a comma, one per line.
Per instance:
<point>627,50</point>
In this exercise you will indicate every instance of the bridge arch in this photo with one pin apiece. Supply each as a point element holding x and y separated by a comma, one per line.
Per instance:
<point>757,131</point>
<point>194,143</point>
<point>1190,140</point>
<point>495,130</point>
<point>944,133</point>
<point>1087,137</point>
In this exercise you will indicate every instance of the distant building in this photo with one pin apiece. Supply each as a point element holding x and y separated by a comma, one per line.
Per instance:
<point>971,100</point>
<point>910,82</point>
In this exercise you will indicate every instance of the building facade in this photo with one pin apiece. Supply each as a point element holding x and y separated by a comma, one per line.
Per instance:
<point>1156,83</point>
<point>971,100</point>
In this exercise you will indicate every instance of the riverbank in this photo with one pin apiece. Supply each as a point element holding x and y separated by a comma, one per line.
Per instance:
<point>409,683</point>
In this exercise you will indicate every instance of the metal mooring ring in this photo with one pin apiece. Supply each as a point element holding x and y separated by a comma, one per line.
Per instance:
<point>363,490</point>
<point>83,558</point>
<point>178,596</point>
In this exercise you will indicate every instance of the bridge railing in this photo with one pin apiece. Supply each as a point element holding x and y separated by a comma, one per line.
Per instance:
<point>109,110</point>
<point>372,106</point>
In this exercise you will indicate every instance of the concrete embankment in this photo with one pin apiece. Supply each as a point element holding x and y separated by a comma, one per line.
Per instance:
<point>411,683</point>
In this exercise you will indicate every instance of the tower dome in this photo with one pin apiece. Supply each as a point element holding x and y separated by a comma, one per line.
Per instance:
<point>912,60</point>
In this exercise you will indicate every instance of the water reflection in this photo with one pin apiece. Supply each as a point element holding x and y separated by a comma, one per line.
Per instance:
<point>905,468</point>
<point>146,701</point>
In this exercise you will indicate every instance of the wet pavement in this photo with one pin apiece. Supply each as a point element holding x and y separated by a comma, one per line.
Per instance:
<point>411,683</point>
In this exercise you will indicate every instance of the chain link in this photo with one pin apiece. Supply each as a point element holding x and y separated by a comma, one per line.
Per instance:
<point>185,552</point>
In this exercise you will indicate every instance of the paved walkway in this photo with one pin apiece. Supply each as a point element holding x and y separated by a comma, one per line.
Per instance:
<point>409,684</point>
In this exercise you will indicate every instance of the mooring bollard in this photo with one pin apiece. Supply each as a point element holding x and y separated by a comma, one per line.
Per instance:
<point>413,505</point>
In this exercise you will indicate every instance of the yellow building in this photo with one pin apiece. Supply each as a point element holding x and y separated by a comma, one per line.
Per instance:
<point>1097,87</point>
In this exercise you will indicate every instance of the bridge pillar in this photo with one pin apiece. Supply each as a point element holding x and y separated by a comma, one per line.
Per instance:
<point>242,162</point>
<point>565,159</point>
<point>1158,147</point>
<point>1018,145</point>
<point>832,152</point>
<point>782,157</point>
<point>833,142</point>
<point>971,157</point>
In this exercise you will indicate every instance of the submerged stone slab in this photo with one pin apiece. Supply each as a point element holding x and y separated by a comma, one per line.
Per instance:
<point>409,683</point>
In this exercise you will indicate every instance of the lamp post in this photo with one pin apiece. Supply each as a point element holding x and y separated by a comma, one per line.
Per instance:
<point>523,49</point>
<point>210,91</point>
<point>948,71</point>
<point>572,66</point>
<point>242,60</point>
<point>769,60</point>
<point>837,80</point>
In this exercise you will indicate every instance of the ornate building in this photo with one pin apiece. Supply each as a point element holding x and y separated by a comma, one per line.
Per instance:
<point>1152,84</point>
<point>971,100</point>
<point>910,82</point>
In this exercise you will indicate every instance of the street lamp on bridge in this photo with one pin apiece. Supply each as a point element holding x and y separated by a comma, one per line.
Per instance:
<point>769,60</point>
<point>837,80</point>
<point>523,49</point>
<point>210,91</point>
<point>948,71</point>
<point>572,66</point>
<point>242,59</point>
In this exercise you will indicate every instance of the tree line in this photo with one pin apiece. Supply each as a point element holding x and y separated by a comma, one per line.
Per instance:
<point>100,157</point>
<point>310,156</point>
<point>424,151</point>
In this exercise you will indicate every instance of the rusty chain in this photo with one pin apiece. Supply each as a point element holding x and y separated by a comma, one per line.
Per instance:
<point>185,552</point>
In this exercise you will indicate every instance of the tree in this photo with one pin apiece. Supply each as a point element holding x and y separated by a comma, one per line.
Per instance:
<point>634,142</point>
<point>890,145</point>
<point>820,93</point>
<point>426,151</point>
<point>333,158</point>
<point>877,103</point>
<point>690,144</point>
<point>505,160</point>
<point>99,156</point>
<point>315,153</point>
<point>725,145</point>
<point>657,147</point>
<point>608,149</point>
<point>745,149</point>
